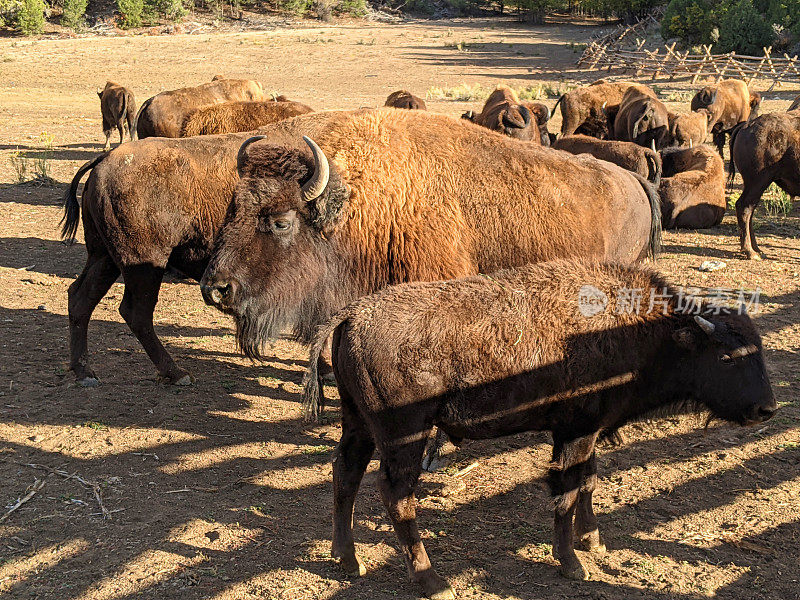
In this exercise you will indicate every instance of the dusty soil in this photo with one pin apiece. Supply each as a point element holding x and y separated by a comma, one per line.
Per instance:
<point>220,491</point>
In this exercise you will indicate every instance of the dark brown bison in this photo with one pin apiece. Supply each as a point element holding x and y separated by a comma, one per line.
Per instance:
<point>765,150</point>
<point>232,117</point>
<point>404,99</point>
<point>590,110</point>
<point>689,129</point>
<point>164,114</point>
<point>692,189</point>
<point>503,112</point>
<point>644,161</point>
<point>729,102</point>
<point>794,105</point>
<point>118,109</point>
<point>401,200</point>
<point>549,347</point>
<point>642,119</point>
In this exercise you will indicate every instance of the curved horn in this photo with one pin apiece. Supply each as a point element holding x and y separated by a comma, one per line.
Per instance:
<point>691,143</point>
<point>653,145</point>
<point>705,324</point>
<point>314,187</point>
<point>240,156</point>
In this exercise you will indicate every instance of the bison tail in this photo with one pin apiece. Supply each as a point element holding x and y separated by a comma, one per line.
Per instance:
<point>72,208</point>
<point>654,168</point>
<point>555,106</point>
<point>142,108</point>
<point>654,239</point>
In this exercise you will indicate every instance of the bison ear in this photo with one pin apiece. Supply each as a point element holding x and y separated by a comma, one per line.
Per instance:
<point>685,338</point>
<point>327,210</point>
<point>469,116</point>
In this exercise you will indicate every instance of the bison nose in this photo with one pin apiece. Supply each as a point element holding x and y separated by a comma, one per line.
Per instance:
<point>218,293</point>
<point>759,414</point>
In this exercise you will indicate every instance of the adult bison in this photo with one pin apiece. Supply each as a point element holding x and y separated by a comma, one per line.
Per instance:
<point>164,114</point>
<point>406,195</point>
<point>642,119</point>
<point>505,113</point>
<point>407,100</point>
<point>765,150</point>
<point>643,161</point>
<point>689,129</point>
<point>524,349</point>
<point>118,109</point>
<point>591,110</point>
<point>692,190</point>
<point>232,117</point>
<point>729,102</point>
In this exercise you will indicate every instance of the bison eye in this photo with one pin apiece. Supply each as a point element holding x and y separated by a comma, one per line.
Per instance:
<point>281,225</point>
<point>726,359</point>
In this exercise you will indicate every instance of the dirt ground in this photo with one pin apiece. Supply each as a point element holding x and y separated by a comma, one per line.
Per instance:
<point>220,491</point>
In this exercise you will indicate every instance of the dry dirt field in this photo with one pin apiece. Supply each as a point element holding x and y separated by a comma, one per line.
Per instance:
<point>220,491</point>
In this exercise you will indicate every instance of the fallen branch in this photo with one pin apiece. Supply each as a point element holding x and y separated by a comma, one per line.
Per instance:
<point>89,485</point>
<point>37,485</point>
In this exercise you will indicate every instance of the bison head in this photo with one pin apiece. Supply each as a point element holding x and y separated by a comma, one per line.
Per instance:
<point>707,98</point>
<point>271,263</point>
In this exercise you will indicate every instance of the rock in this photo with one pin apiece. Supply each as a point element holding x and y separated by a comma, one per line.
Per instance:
<point>712,265</point>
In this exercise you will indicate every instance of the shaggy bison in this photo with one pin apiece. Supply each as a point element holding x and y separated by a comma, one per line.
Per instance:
<point>643,161</point>
<point>765,150</point>
<point>118,109</point>
<point>401,200</point>
<point>642,119</point>
<point>689,129</point>
<point>164,114</point>
<point>692,190</point>
<point>232,117</point>
<point>404,99</point>
<point>504,112</point>
<point>591,109</point>
<point>729,103</point>
<point>488,356</point>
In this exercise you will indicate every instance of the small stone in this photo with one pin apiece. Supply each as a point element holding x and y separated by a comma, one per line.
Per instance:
<point>712,265</point>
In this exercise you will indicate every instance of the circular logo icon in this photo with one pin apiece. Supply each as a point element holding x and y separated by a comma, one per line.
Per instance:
<point>591,301</point>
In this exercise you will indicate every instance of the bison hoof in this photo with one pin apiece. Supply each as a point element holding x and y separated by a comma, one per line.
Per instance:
<point>591,542</point>
<point>352,566</point>
<point>436,587</point>
<point>431,464</point>
<point>88,382</point>
<point>185,380</point>
<point>754,256</point>
<point>576,572</point>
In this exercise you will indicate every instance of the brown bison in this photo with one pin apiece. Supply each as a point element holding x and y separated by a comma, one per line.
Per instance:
<point>693,188</point>
<point>232,117</point>
<point>765,150</point>
<point>401,200</point>
<point>729,102</point>
<point>642,119</point>
<point>549,347</point>
<point>643,161</point>
<point>689,129</point>
<point>164,114</point>
<point>505,113</point>
<point>118,109</point>
<point>404,99</point>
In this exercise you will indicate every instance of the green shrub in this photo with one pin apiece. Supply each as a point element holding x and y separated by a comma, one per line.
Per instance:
<point>353,8</point>
<point>297,7</point>
<point>744,30</point>
<point>131,12</point>
<point>9,12</point>
<point>74,12</point>
<point>692,21</point>
<point>31,17</point>
<point>171,10</point>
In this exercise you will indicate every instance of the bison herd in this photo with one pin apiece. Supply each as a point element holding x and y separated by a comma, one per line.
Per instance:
<point>443,261</point>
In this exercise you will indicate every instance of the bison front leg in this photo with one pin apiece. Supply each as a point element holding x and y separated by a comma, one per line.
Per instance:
<point>745,206</point>
<point>566,475</point>
<point>587,533</point>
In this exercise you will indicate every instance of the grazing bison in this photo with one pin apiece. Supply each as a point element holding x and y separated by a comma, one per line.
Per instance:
<point>164,114</point>
<point>765,150</point>
<point>591,109</point>
<point>118,108</point>
<point>689,129</point>
<point>642,119</point>
<point>232,117</point>
<point>404,99</point>
<point>643,161</point>
<point>401,200</point>
<point>692,189</point>
<point>488,356</point>
<point>729,102</point>
<point>503,112</point>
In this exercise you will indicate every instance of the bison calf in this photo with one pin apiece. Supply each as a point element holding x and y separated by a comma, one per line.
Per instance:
<point>689,129</point>
<point>504,112</point>
<point>729,103</point>
<point>548,347</point>
<point>234,117</point>
<point>118,108</point>
<point>404,99</point>
<point>644,161</point>
<point>693,188</point>
<point>642,119</point>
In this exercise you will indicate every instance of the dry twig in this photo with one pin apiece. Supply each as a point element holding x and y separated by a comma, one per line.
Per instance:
<point>89,485</point>
<point>32,489</point>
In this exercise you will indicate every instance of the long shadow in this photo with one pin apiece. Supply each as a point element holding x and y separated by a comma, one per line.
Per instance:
<point>80,152</point>
<point>32,193</point>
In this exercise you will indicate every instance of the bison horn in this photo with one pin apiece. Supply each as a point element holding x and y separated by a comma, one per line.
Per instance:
<point>243,152</point>
<point>705,324</point>
<point>314,187</point>
<point>653,145</point>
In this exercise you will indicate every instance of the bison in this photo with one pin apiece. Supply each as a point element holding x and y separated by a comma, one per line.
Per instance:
<point>406,195</point>
<point>643,161</point>
<point>729,103</point>
<point>504,112</point>
<point>404,99</point>
<point>693,188</point>
<point>689,129</point>
<point>549,347</point>
<point>118,109</point>
<point>765,150</point>
<point>232,117</point>
<point>642,119</point>
<point>164,114</point>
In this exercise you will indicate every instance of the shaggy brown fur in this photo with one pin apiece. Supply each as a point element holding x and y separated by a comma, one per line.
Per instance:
<point>591,110</point>
<point>503,112</point>
<point>406,202</point>
<point>164,114</point>
<point>488,356</point>
<point>693,188</point>
<point>730,102</point>
<point>118,109</point>
<point>629,156</point>
<point>689,129</point>
<point>642,119</point>
<point>232,117</point>
<point>404,99</point>
<point>765,150</point>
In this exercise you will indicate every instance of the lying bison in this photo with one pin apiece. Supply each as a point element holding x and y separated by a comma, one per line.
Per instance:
<point>689,129</point>
<point>404,99</point>
<point>765,150</point>
<point>402,201</point>
<point>504,112</point>
<point>692,190</point>
<point>164,114</point>
<point>487,356</point>
<point>729,102</point>
<point>118,109</point>
<point>232,117</point>
<point>643,161</point>
<point>642,119</point>
<point>591,110</point>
